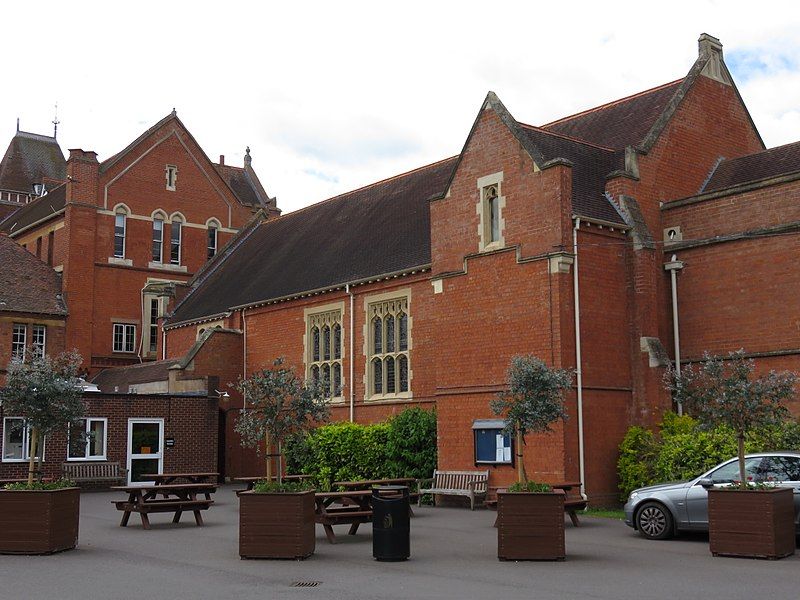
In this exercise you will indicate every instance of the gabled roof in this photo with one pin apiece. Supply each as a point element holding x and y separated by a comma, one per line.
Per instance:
<point>243,182</point>
<point>590,166</point>
<point>36,211</point>
<point>375,230</point>
<point>31,159</point>
<point>783,160</point>
<point>624,122</point>
<point>26,283</point>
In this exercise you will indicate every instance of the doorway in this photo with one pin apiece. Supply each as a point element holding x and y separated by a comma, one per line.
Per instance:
<point>145,449</point>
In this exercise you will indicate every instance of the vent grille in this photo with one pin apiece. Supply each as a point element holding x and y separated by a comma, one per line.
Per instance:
<point>306,584</point>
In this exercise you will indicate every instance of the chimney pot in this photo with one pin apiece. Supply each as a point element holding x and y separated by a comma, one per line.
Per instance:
<point>222,159</point>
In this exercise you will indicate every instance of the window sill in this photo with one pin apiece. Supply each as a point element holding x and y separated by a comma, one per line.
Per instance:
<point>19,460</point>
<point>402,397</point>
<point>123,262</point>
<point>167,267</point>
<point>493,246</point>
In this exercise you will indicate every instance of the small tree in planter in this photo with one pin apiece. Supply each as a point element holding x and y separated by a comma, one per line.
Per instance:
<point>534,400</point>
<point>277,520</point>
<point>725,391</point>
<point>46,392</point>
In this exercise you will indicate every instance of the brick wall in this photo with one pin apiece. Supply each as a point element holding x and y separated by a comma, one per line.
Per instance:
<point>192,421</point>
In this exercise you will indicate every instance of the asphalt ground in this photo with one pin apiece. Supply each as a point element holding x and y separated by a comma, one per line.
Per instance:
<point>453,555</point>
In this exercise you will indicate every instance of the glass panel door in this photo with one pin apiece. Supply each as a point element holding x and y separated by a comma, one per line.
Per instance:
<point>145,448</point>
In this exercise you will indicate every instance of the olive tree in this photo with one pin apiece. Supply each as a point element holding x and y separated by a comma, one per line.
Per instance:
<point>724,391</point>
<point>533,401</point>
<point>276,404</point>
<point>47,393</point>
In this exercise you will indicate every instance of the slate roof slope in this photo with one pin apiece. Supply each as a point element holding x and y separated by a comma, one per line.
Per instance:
<point>590,165</point>
<point>35,211</point>
<point>246,185</point>
<point>122,377</point>
<point>774,162</point>
<point>378,229</point>
<point>26,283</point>
<point>624,122</point>
<point>30,159</point>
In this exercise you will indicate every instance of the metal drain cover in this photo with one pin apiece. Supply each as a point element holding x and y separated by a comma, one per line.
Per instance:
<point>305,584</point>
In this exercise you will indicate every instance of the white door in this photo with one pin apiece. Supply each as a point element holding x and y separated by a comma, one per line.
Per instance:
<point>145,449</point>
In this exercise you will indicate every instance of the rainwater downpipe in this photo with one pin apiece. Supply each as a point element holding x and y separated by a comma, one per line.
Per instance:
<point>579,370</point>
<point>244,346</point>
<point>351,385</point>
<point>673,266</point>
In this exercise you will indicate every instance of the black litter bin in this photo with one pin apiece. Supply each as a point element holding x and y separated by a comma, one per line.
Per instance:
<point>391,527</point>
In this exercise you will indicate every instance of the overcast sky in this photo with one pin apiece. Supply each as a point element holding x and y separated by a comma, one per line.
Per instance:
<point>331,96</point>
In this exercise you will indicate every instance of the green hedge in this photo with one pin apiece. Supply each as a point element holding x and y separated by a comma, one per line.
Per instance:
<point>682,450</point>
<point>403,446</point>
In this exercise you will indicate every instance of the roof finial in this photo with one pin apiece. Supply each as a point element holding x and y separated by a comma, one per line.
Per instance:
<point>174,112</point>
<point>17,124</point>
<point>247,158</point>
<point>55,123</point>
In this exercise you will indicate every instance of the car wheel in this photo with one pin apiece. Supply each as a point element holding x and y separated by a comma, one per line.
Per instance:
<point>654,521</point>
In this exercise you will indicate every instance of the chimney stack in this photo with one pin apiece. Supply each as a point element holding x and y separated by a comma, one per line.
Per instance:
<point>222,159</point>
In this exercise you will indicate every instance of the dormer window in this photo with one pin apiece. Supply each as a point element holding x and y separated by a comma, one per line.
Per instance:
<point>38,189</point>
<point>172,177</point>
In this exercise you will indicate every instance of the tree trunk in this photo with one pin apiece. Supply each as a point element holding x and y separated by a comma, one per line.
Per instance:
<point>33,441</point>
<point>521,475</point>
<point>280,462</point>
<point>742,473</point>
<point>268,455</point>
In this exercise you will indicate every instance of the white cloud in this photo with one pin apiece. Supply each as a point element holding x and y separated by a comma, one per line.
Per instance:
<point>332,96</point>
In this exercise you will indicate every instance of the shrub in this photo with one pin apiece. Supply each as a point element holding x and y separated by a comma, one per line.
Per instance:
<point>681,449</point>
<point>404,446</point>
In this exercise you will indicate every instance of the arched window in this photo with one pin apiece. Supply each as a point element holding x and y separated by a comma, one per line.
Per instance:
<point>158,238</point>
<point>324,353</point>
<point>120,225</point>
<point>389,360</point>
<point>175,240</point>
<point>211,245</point>
<point>377,335</point>
<point>326,343</point>
<point>337,341</point>
<point>315,373</point>
<point>315,344</point>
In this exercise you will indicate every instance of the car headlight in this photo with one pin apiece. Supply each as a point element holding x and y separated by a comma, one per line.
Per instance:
<point>634,496</point>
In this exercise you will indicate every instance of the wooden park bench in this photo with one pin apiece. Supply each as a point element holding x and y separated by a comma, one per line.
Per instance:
<point>94,471</point>
<point>471,484</point>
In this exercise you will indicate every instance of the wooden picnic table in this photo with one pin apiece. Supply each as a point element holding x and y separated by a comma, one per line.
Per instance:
<point>251,481</point>
<point>167,478</point>
<point>368,484</point>
<point>177,498</point>
<point>351,507</point>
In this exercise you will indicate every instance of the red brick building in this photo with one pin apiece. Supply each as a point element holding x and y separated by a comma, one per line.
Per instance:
<point>559,241</point>
<point>124,232</point>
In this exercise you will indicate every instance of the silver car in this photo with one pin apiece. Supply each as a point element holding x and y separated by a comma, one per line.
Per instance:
<point>660,511</point>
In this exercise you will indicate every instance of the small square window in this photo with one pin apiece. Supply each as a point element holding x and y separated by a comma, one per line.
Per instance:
<point>172,177</point>
<point>492,444</point>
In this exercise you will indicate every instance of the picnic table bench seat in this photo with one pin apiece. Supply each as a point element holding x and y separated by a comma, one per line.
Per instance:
<point>94,471</point>
<point>176,506</point>
<point>472,484</point>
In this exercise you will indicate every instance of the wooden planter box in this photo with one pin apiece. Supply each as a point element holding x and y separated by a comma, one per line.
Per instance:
<point>752,524</point>
<point>530,526</point>
<point>276,525</point>
<point>39,521</point>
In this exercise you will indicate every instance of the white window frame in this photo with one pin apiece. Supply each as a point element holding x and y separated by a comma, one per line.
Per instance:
<point>484,208</point>
<point>26,440</point>
<point>39,348</point>
<point>19,349</point>
<point>86,456</point>
<point>124,327</point>
<point>209,246</point>
<point>150,323</point>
